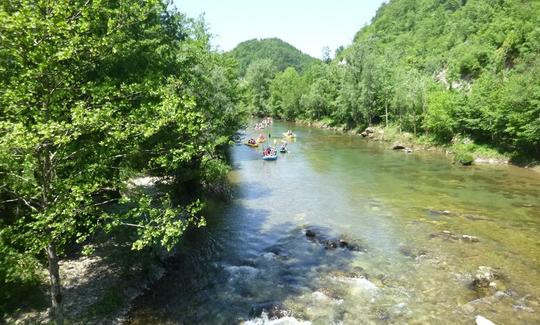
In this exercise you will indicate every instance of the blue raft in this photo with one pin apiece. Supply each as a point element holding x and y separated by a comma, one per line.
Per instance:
<point>270,157</point>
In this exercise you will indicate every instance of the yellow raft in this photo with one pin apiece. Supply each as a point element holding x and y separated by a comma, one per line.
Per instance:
<point>285,134</point>
<point>253,145</point>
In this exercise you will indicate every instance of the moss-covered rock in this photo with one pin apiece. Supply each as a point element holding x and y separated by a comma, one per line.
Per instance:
<point>463,158</point>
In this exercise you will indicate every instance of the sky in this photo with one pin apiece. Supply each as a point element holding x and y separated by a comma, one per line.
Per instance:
<point>307,25</point>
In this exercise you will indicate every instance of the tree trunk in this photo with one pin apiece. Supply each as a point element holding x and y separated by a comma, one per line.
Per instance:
<point>414,123</point>
<point>56,288</point>
<point>386,112</point>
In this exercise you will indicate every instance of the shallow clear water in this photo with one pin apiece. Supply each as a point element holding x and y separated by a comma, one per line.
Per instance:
<point>254,252</point>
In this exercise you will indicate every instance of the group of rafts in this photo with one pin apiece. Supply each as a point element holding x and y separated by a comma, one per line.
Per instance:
<point>269,153</point>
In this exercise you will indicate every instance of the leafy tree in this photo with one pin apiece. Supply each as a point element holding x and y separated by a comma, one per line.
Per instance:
<point>320,100</point>
<point>258,77</point>
<point>92,94</point>
<point>440,119</point>
<point>286,89</point>
<point>326,54</point>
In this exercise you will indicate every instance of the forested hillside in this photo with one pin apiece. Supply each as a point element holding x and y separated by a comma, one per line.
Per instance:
<point>280,53</point>
<point>452,70</point>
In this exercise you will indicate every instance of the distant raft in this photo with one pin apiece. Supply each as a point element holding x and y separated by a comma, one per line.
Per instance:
<point>270,157</point>
<point>253,145</point>
<point>289,135</point>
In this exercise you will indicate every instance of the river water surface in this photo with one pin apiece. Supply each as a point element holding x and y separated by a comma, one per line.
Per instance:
<point>405,216</point>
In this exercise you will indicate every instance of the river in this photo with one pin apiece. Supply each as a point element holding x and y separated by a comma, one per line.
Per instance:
<point>403,217</point>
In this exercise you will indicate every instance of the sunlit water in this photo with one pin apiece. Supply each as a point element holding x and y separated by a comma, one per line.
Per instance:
<point>255,254</point>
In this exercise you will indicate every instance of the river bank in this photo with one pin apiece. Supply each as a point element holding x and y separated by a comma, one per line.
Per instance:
<point>392,137</point>
<point>97,288</point>
<point>100,278</point>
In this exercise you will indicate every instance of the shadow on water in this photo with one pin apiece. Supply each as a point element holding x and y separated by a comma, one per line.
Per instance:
<point>256,190</point>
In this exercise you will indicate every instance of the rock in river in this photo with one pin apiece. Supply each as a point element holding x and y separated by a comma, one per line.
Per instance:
<point>448,235</point>
<point>310,233</point>
<point>334,243</point>
<point>272,310</point>
<point>484,277</point>
<point>480,320</point>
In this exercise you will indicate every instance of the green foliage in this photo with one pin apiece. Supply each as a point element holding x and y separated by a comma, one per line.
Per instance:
<point>93,94</point>
<point>320,100</point>
<point>281,54</point>
<point>440,116</point>
<point>256,83</point>
<point>286,89</point>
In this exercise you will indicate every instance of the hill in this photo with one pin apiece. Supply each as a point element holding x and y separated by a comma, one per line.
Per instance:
<point>282,54</point>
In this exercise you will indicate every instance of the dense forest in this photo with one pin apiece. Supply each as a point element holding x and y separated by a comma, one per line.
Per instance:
<point>452,71</point>
<point>281,55</point>
<point>92,95</point>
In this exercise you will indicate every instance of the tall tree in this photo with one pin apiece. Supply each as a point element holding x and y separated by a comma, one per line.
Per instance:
<point>286,89</point>
<point>258,77</point>
<point>93,93</point>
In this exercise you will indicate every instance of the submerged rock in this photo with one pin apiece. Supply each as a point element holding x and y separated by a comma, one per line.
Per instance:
<point>334,243</point>
<point>448,235</point>
<point>278,251</point>
<point>320,295</point>
<point>410,251</point>
<point>310,233</point>
<point>330,293</point>
<point>357,272</point>
<point>472,239</point>
<point>480,320</point>
<point>271,309</point>
<point>351,246</point>
<point>475,217</point>
<point>439,212</point>
<point>331,244</point>
<point>487,282</point>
